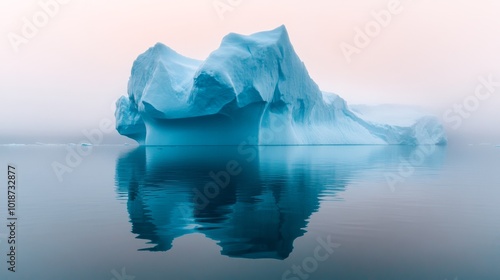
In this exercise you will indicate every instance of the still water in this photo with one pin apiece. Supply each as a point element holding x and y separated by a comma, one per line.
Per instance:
<point>322,212</point>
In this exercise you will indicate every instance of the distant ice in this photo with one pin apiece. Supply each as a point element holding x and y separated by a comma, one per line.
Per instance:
<point>13,145</point>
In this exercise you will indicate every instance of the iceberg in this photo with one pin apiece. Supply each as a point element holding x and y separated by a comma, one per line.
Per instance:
<point>254,89</point>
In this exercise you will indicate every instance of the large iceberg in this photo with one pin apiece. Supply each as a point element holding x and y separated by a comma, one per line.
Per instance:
<point>253,90</point>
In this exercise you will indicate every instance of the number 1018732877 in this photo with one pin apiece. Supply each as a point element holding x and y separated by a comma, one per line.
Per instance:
<point>11,190</point>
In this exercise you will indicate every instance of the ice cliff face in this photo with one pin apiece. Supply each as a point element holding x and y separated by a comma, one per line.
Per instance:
<point>253,90</point>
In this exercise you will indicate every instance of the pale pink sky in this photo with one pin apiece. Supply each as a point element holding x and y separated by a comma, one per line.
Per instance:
<point>66,77</point>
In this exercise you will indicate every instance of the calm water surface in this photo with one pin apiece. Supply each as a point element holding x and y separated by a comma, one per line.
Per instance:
<point>324,212</point>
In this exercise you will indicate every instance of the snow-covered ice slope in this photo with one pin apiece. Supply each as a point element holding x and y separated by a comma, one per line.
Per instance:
<point>253,90</point>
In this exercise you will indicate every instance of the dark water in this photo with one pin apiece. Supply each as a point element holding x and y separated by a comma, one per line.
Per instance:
<point>326,212</point>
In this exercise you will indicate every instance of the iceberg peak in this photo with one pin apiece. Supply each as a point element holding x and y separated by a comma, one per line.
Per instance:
<point>162,51</point>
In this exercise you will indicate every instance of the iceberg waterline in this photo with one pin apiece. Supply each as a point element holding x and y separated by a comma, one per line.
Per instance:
<point>253,89</point>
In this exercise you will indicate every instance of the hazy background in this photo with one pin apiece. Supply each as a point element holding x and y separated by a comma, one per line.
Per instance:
<point>67,77</point>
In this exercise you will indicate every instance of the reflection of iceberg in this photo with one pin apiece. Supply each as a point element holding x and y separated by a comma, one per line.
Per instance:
<point>248,88</point>
<point>249,218</point>
<point>259,212</point>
